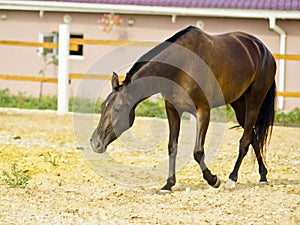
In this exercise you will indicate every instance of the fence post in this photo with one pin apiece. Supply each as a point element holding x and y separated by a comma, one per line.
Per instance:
<point>63,69</point>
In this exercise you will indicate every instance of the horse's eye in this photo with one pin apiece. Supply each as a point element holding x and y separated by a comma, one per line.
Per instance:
<point>117,109</point>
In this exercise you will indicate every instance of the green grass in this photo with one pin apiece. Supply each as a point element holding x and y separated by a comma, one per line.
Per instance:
<point>21,100</point>
<point>147,108</point>
<point>84,105</point>
<point>15,178</point>
<point>291,118</point>
<point>53,160</point>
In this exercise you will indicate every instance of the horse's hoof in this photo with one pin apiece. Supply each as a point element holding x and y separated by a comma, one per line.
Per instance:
<point>217,184</point>
<point>264,182</point>
<point>230,184</point>
<point>165,191</point>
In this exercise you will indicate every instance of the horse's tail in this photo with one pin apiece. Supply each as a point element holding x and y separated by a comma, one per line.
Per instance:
<point>264,123</point>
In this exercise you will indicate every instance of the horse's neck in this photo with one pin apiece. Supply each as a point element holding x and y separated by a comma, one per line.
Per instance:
<point>140,90</point>
<point>142,86</point>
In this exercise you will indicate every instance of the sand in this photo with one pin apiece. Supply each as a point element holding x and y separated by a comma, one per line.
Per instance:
<point>122,185</point>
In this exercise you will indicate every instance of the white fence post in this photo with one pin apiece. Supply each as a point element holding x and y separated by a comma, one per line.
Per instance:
<point>63,69</point>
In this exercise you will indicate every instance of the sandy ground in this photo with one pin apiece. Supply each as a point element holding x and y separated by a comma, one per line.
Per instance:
<point>121,186</point>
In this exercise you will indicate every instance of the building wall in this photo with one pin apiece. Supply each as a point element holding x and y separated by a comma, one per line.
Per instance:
<point>25,26</point>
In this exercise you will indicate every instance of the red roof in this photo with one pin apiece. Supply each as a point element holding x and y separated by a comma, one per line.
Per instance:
<point>227,4</point>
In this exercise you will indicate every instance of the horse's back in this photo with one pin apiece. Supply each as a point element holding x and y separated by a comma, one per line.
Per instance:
<point>233,44</point>
<point>236,59</point>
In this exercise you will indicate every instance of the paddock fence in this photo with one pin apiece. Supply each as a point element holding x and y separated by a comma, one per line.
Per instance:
<point>74,44</point>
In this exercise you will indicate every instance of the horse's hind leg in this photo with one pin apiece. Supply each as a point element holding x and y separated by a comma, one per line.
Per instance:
<point>202,126</point>
<point>252,103</point>
<point>239,108</point>
<point>261,166</point>
<point>174,126</point>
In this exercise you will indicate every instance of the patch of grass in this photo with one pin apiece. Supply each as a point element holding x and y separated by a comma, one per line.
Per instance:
<point>15,178</point>
<point>17,138</point>
<point>291,118</point>
<point>21,100</point>
<point>51,159</point>
<point>150,108</point>
<point>223,114</point>
<point>85,105</point>
<point>147,108</point>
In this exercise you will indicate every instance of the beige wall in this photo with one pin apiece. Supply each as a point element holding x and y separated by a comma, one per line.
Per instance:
<point>25,26</point>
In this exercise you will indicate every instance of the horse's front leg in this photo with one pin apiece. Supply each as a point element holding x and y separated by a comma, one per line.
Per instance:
<point>203,117</point>
<point>174,126</point>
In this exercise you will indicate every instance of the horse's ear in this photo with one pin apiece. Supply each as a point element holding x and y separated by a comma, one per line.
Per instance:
<point>115,81</point>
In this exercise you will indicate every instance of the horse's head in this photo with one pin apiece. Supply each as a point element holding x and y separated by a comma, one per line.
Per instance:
<point>117,115</point>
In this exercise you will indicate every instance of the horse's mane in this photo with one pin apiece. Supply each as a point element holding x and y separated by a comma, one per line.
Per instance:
<point>153,52</point>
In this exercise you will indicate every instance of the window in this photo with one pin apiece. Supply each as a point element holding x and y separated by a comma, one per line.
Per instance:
<point>53,38</point>
<point>79,52</point>
<point>48,37</point>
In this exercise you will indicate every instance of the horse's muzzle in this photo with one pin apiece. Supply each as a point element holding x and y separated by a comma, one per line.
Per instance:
<point>96,144</point>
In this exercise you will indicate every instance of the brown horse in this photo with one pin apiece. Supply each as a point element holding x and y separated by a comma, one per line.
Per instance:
<point>195,72</point>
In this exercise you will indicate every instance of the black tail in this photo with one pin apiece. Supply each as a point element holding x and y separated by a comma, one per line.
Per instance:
<point>264,123</point>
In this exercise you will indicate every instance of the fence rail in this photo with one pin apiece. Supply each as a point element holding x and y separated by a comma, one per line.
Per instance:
<point>55,80</point>
<point>289,94</point>
<point>73,47</point>
<point>98,77</point>
<point>28,78</point>
<point>79,41</point>
<point>74,44</point>
<point>287,56</point>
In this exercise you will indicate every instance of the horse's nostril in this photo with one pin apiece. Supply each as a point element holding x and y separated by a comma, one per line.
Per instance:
<point>98,144</point>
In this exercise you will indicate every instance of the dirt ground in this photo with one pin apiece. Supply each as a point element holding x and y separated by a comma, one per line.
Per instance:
<point>121,186</point>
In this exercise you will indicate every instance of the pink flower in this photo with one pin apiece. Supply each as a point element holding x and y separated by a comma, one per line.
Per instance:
<point>108,22</point>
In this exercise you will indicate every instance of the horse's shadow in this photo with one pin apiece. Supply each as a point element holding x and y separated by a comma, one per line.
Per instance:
<point>285,182</point>
<point>186,187</point>
<point>182,187</point>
